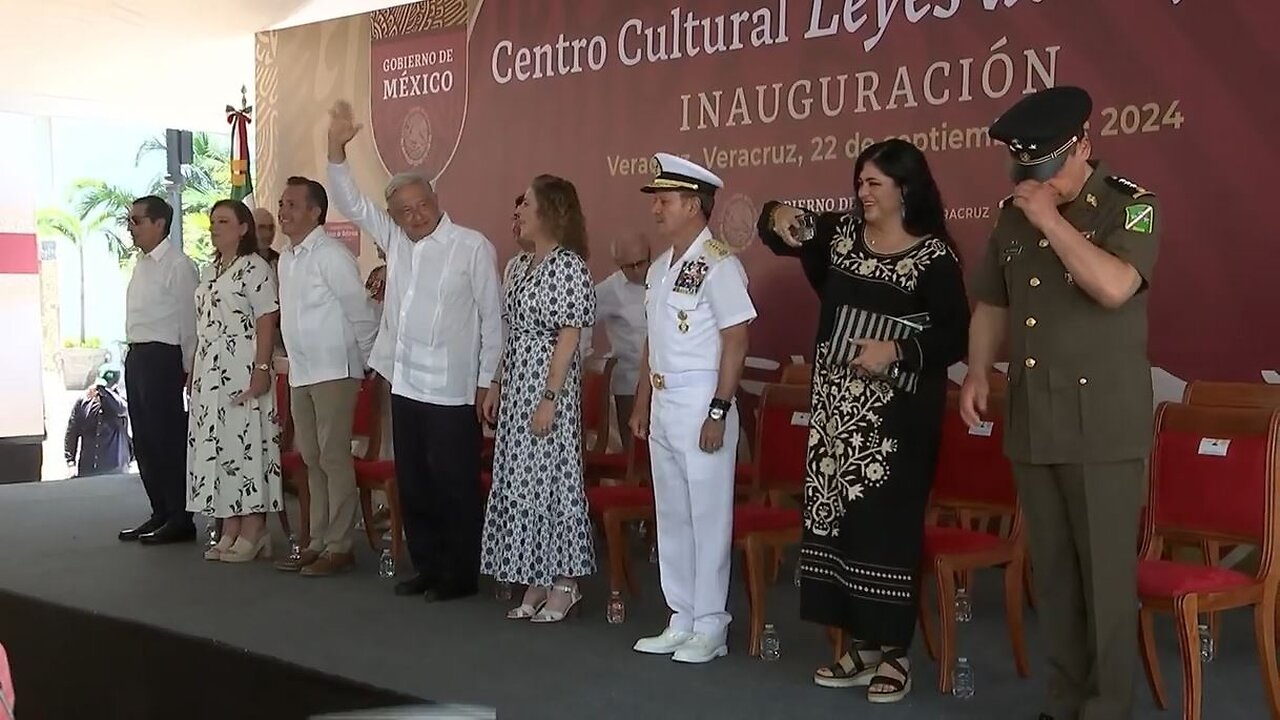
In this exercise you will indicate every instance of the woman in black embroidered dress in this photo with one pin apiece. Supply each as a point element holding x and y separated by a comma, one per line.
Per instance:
<point>894,317</point>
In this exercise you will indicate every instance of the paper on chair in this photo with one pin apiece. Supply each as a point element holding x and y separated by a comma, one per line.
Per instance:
<point>1214,446</point>
<point>1271,376</point>
<point>800,418</point>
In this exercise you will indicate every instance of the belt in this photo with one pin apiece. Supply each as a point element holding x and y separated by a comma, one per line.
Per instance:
<point>666,381</point>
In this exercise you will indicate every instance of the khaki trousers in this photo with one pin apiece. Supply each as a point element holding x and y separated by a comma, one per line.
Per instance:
<point>322,416</point>
<point>1082,526</point>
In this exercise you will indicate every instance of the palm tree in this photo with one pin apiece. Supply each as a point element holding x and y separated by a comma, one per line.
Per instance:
<point>206,180</point>
<point>113,203</point>
<point>78,227</point>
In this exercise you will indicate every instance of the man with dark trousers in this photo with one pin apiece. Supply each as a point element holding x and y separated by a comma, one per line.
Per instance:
<point>160,328</point>
<point>1065,282</point>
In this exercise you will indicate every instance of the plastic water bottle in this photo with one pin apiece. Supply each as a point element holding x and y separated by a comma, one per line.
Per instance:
<point>616,611</point>
<point>501,591</point>
<point>1206,644</point>
<point>962,679</point>
<point>295,550</point>
<point>797,577</point>
<point>770,644</point>
<point>211,530</point>
<point>653,554</point>
<point>386,564</point>
<point>964,607</point>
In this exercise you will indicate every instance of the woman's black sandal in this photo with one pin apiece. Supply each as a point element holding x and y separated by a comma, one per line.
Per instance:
<point>893,658</point>
<point>849,671</point>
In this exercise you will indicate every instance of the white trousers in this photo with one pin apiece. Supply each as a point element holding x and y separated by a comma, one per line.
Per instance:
<point>693,491</point>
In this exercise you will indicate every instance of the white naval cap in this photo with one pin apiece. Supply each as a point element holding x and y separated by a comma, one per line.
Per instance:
<point>675,174</point>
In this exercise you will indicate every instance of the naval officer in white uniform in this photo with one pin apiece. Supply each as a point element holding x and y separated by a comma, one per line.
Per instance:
<point>697,310</point>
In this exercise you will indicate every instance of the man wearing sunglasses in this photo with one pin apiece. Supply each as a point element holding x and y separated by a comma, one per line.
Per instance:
<point>160,326</point>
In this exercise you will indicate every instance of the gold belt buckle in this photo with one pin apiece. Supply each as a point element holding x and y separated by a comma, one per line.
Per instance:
<point>659,382</point>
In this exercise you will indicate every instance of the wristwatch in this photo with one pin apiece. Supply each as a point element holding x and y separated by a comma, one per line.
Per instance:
<point>718,409</point>
<point>549,394</point>
<point>264,367</point>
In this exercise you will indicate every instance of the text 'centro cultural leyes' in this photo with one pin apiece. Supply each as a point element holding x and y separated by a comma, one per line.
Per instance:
<point>684,34</point>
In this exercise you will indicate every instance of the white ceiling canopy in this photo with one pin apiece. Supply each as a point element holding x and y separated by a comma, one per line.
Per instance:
<point>170,63</point>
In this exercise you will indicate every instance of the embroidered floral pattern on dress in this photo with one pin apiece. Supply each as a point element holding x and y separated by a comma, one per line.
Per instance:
<point>904,272</point>
<point>847,454</point>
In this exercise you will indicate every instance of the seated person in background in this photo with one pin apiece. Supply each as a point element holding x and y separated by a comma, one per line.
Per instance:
<point>620,308</point>
<point>265,226</point>
<point>99,430</point>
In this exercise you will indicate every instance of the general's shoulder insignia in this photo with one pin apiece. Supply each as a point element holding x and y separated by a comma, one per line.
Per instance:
<point>1127,186</point>
<point>717,249</point>
<point>1139,218</point>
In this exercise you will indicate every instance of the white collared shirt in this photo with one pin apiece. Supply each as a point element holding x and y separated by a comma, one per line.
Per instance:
<point>160,301</point>
<point>620,308</point>
<point>325,318</point>
<point>441,333</point>
<point>684,327</point>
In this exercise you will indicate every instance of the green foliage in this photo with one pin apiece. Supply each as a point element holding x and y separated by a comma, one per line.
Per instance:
<point>95,208</point>
<point>90,343</point>
<point>206,181</point>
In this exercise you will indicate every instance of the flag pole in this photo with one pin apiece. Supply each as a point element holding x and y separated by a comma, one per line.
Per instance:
<point>241,173</point>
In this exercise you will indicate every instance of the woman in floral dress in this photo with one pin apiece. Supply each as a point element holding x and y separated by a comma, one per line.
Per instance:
<point>536,528</point>
<point>894,317</point>
<point>233,440</point>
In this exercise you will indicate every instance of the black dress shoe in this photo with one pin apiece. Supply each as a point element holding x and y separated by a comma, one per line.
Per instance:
<point>416,585</point>
<point>446,592</point>
<point>130,534</point>
<point>174,531</point>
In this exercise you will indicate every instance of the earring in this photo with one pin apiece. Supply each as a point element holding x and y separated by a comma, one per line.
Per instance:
<point>902,209</point>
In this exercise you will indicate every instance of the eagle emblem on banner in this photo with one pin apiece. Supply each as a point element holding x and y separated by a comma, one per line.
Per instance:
<point>418,72</point>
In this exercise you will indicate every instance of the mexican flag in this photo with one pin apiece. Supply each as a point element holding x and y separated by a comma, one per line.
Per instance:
<point>241,173</point>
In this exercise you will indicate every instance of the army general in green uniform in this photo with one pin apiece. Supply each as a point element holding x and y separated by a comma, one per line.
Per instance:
<point>1065,281</point>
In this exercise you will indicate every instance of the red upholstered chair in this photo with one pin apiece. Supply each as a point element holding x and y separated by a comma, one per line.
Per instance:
<point>613,506</point>
<point>1213,475</point>
<point>797,374</point>
<point>366,427</point>
<point>763,529</point>
<point>756,373</point>
<point>1227,394</point>
<point>597,376</point>
<point>973,476</point>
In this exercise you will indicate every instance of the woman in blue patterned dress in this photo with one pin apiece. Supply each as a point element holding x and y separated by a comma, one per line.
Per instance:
<point>536,529</point>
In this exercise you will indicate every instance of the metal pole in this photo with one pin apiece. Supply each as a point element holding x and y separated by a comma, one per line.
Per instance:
<point>174,181</point>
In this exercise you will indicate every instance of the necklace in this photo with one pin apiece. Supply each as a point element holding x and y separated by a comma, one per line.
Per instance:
<point>223,265</point>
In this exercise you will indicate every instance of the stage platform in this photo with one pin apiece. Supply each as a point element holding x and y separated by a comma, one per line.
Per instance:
<point>99,628</point>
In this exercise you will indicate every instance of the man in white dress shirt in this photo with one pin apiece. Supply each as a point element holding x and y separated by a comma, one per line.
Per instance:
<point>439,345</point>
<point>698,310</point>
<point>160,328</point>
<point>620,309</point>
<point>328,329</point>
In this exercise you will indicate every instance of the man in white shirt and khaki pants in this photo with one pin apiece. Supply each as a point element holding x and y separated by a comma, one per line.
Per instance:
<point>698,310</point>
<point>439,346</point>
<point>160,328</point>
<point>328,330</point>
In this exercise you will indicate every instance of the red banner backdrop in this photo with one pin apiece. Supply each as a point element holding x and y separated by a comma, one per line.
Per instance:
<point>778,96</point>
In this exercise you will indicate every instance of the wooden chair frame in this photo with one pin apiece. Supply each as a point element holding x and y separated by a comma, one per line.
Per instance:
<point>1213,422</point>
